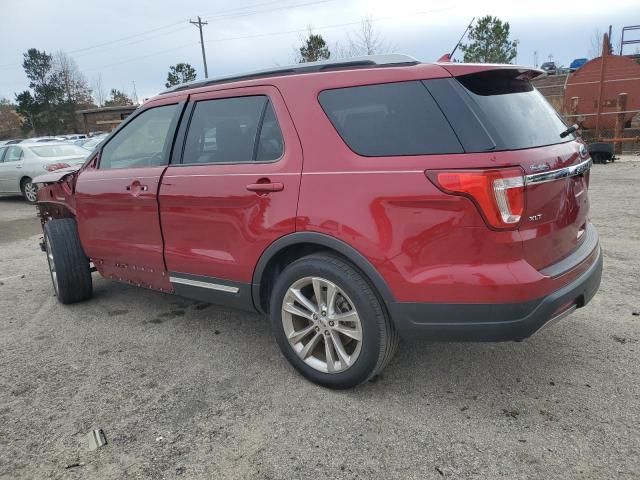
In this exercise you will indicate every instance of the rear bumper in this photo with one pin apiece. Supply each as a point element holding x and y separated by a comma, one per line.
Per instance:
<point>495,322</point>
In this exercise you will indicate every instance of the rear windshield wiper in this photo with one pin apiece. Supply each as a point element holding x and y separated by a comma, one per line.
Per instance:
<point>569,130</point>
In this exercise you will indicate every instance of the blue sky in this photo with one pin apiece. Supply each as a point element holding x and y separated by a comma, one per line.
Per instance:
<point>136,40</point>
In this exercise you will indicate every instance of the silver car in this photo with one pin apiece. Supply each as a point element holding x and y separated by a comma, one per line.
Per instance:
<point>19,164</point>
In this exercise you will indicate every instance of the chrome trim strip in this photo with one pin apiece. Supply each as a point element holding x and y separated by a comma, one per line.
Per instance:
<point>552,175</point>
<point>210,286</point>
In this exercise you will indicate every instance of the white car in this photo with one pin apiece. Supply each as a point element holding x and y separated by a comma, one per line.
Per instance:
<point>20,163</point>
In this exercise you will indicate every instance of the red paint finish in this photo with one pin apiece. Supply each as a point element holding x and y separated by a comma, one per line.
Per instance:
<point>429,246</point>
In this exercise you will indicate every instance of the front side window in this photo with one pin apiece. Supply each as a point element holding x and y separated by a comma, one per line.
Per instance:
<point>233,130</point>
<point>389,119</point>
<point>13,154</point>
<point>142,142</point>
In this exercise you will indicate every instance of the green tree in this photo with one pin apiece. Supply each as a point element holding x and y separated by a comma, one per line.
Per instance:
<point>313,48</point>
<point>41,105</point>
<point>180,73</point>
<point>489,42</point>
<point>118,99</point>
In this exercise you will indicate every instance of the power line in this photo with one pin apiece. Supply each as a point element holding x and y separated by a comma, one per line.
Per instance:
<point>325,27</point>
<point>200,24</point>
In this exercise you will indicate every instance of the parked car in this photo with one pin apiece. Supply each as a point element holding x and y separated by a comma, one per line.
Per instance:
<point>351,201</point>
<point>577,63</point>
<point>549,68</point>
<point>91,143</point>
<point>19,164</point>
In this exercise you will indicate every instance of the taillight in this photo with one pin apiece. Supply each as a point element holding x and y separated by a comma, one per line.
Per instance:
<point>56,166</point>
<point>498,193</point>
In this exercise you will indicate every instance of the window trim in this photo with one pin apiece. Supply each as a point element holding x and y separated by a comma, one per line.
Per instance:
<point>184,133</point>
<point>169,142</point>
<point>419,81</point>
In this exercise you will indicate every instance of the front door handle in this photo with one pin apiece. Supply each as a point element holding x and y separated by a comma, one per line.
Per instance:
<point>265,187</point>
<point>136,187</point>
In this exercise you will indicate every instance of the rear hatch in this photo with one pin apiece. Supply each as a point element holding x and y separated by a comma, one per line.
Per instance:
<point>523,129</point>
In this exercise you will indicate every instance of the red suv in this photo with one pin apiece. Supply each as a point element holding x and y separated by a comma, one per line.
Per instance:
<point>352,202</point>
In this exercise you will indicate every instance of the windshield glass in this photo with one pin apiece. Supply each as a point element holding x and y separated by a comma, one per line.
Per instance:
<point>59,151</point>
<point>515,114</point>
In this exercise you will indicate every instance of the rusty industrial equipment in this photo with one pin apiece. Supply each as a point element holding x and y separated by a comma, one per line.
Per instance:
<point>604,95</point>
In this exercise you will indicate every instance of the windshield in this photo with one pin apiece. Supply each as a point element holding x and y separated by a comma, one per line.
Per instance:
<point>515,114</point>
<point>59,151</point>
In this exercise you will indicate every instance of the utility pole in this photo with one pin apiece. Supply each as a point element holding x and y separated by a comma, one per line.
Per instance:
<point>135,94</point>
<point>199,24</point>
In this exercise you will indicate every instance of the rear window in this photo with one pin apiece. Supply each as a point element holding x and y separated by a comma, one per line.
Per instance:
<point>514,113</point>
<point>390,119</point>
<point>58,151</point>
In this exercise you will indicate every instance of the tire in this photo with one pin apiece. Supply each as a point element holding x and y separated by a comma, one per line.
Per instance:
<point>68,264</point>
<point>353,298</point>
<point>29,190</point>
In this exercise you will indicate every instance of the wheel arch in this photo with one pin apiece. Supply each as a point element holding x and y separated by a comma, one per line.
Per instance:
<point>299,244</point>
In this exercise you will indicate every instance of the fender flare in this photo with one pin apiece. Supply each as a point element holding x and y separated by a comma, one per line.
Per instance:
<point>322,240</point>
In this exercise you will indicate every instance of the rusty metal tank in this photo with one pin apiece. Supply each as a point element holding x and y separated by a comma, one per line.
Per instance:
<point>622,75</point>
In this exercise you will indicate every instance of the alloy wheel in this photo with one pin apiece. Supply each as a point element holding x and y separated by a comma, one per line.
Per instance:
<point>30,191</point>
<point>322,324</point>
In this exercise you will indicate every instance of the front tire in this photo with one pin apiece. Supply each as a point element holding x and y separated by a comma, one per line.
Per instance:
<point>330,323</point>
<point>68,264</point>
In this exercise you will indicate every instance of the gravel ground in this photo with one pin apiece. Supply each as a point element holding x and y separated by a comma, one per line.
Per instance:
<point>190,390</point>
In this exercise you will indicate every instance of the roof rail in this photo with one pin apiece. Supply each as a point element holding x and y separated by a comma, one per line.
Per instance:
<point>308,67</point>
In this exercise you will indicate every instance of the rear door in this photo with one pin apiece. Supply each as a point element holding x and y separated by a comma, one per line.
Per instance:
<point>116,196</point>
<point>234,191</point>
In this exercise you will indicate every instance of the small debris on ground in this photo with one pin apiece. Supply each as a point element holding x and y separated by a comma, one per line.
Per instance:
<point>618,339</point>
<point>511,413</point>
<point>159,438</point>
<point>96,439</point>
<point>635,314</point>
<point>180,470</point>
<point>74,465</point>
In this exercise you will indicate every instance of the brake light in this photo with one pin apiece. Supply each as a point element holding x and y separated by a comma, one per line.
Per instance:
<point>56,166</point>
<point>498,193</point>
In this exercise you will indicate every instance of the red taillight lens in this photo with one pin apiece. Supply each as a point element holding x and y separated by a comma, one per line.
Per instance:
<point>498,193</point>
<point>56,166</point>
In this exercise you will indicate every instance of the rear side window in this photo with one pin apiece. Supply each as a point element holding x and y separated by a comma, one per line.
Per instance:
<point>390,119</point>
<point>514,113</point>
<point>233,130</point>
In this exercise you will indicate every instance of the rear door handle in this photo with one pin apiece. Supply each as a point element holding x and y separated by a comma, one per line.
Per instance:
<point>265,187</point>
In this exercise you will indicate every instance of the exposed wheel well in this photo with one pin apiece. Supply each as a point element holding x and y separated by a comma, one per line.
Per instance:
<point>23,179</point>
<point>278,263</point>
<point>298,245</point>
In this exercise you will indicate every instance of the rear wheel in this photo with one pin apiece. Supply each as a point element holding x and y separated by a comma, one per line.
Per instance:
<point>29,190</point>
<point>68,264</point>
<point>329,322</point>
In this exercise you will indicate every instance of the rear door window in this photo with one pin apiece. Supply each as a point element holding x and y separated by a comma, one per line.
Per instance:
<point>233,130</point>
<point>390,119</point>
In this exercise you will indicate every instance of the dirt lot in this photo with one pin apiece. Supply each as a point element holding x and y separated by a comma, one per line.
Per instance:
<point>190,390</point>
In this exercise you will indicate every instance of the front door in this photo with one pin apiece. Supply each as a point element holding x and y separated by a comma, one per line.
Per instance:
<point>234,192</point>
<point>116,197</point>
<point>11,165</point>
